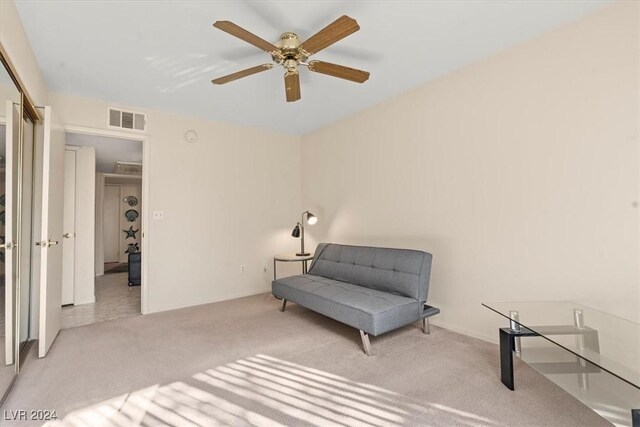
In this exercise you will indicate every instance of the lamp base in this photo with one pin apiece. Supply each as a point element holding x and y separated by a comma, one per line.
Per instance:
<point>303,254</point>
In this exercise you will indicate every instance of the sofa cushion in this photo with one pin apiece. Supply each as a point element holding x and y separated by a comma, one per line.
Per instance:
<point>402,272</point>
<point>371,310</point>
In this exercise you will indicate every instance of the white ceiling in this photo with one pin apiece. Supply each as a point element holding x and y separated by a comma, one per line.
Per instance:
<point>163,55</point>
<point>108,150</point>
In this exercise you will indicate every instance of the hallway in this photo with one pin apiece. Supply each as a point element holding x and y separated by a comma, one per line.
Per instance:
<point>115,299</point>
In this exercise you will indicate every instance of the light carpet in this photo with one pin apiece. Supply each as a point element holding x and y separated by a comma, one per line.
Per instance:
<point>242,362</point>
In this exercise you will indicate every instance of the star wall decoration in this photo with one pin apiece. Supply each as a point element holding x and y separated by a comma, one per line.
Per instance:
<point>130,232</point>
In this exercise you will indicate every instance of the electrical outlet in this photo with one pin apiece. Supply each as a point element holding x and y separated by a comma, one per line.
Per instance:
<point>264,267</point>
<point>242,268</point>
<point>158,214</point>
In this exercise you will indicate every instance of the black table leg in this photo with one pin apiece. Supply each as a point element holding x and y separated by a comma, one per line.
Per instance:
<point>507,346</point>
<point>507,341</point>
<point>635,417</point>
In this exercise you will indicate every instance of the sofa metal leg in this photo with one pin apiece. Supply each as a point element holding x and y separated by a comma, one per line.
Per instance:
<point>284,304</point>
<point>365,343</point>
<point>426,326</point>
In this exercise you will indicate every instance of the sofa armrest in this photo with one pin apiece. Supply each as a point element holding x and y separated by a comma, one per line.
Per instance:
<point>429,311</point>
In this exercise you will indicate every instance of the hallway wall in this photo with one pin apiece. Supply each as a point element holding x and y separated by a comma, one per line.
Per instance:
<point>111,211</point>
<point>124,242</point>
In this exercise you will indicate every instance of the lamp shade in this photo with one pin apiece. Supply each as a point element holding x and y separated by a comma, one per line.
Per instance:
<point>296,231</point>
<point>311,218</point>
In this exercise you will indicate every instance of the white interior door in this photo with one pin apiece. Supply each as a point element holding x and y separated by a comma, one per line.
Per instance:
<point>51,231</point>
<point>12,130</point>
<point>69,228</point>
<point>111,223</point>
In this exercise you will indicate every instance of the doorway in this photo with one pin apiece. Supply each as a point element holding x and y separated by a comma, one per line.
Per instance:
<point>103,228</point>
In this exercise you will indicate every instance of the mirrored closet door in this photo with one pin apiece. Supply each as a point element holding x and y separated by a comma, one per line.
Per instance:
<point>27,290</point>
<point>11,129</point>
<point>17,292</point>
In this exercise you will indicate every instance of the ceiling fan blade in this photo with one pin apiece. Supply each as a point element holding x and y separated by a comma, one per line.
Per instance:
<point>339,71</point>
<point>240,74</point>
<point>292,85</point>
<point>334,32</point>
<point>241,33</point>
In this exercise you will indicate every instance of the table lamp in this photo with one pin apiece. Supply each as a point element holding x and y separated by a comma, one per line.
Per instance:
<point>298,230</point>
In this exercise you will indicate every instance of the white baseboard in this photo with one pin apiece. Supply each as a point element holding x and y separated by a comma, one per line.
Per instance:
<point>89,301</point>
<point>186,305</point>
<point>463,331</point>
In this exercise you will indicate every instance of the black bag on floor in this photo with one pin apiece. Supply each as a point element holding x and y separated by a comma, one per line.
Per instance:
<point>135,275</point>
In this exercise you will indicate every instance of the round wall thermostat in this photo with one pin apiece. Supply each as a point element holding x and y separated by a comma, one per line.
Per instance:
<point>191,136</point>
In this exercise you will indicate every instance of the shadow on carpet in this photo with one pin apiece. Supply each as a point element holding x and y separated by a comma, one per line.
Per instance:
<point>266,391</point>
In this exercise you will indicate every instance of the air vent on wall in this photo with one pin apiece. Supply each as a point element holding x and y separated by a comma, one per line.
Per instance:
<point>127,119</point>
<point>127,168</point>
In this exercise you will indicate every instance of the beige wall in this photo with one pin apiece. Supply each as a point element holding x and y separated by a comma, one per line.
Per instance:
<point>15,43</point>
<point>519,173</point>
<point>228,200</point>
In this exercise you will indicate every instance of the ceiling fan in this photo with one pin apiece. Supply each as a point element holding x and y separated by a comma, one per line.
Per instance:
<point>290,53</point>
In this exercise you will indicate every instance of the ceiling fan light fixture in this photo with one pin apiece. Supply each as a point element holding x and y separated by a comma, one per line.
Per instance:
<point>290,64</point>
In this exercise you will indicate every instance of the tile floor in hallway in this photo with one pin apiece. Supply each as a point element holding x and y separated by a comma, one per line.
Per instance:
<point>114,299</point>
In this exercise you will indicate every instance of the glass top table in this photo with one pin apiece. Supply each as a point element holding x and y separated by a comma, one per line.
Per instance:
<point>575,340</point>
<point>303,259</point>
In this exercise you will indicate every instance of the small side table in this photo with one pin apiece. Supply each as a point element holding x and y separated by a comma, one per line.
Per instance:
<point>291,258</point>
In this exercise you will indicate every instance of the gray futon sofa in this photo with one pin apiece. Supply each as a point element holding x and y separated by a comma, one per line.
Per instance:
<point>371,289</point>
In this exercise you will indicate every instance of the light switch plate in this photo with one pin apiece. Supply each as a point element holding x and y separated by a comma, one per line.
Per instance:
<point>158,214</point>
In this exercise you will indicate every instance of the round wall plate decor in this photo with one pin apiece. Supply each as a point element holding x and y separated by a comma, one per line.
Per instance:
<point>132,201</point>
<point>191,136</point>
<point>131,215</point>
